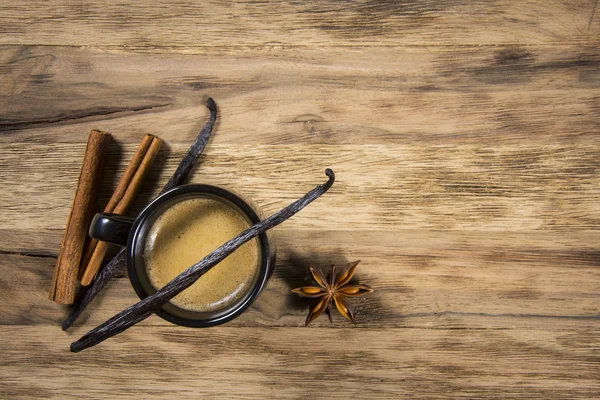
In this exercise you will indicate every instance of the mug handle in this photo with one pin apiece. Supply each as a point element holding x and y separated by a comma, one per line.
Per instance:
<point>112,228</point>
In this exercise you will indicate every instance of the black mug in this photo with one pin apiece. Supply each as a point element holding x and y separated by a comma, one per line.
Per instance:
<point>132,232</point>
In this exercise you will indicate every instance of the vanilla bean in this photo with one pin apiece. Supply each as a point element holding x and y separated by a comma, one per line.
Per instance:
<point>188,162</point>
<point>144,308</point>
<point>118,263</point>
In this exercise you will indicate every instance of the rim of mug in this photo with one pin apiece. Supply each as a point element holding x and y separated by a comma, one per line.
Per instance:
<point>140,223</point>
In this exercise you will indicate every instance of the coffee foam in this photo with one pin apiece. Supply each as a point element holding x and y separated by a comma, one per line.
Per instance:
<point>187,232</point>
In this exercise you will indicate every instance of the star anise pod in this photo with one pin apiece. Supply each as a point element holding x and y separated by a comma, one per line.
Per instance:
<point>334,289</point>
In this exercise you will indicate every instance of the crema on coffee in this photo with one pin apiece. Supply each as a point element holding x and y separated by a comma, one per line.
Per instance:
<point>187,232</point>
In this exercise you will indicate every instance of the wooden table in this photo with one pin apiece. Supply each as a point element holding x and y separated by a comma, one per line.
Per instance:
<point>465,138</point>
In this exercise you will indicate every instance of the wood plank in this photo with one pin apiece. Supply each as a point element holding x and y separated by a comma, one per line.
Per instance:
<point>231,26</point>
<point>38,242</point>
<point>155,362</point>
<point>362,95</point>
<point>420,186</point>
<point>420,279</point>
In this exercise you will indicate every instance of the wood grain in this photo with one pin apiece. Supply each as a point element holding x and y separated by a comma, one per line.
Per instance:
<point>417,363</point>
<point>274,24</point>
<point>464,137</point>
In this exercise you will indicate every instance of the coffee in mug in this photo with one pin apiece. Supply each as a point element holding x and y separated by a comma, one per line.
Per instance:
<point>188,231</point>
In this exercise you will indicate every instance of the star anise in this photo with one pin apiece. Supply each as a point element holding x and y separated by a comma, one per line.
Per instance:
<point>334,289</point>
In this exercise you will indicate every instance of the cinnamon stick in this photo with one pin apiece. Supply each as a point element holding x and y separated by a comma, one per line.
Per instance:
<point>120,201</point>
<point>117,196</point>
<point>64,281</point>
